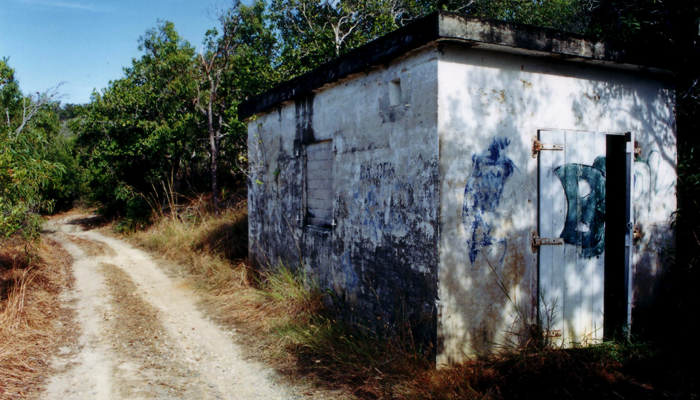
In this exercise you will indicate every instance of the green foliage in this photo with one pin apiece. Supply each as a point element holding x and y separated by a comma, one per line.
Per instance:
<point>26,131</point>
<point>142,127</point>
<point>174,110</point>
<point>311,32</point>
<point>69,187</point>
<point>558,14</point>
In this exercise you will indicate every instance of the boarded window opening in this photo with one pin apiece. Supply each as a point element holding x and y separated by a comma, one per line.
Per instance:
<point>319,184</point>
<point>395,93</point>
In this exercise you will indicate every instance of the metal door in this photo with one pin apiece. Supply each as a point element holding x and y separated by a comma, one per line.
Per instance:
<point>572,191</point>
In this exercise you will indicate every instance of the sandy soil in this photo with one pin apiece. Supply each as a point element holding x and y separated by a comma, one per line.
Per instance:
<point>140,334</point>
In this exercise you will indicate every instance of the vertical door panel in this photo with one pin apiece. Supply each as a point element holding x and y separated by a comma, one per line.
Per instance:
<point>572,207</point>
<point>596,286</point>
<point>552,217</point>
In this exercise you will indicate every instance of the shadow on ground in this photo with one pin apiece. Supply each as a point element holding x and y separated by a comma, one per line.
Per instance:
<point>89,223</point>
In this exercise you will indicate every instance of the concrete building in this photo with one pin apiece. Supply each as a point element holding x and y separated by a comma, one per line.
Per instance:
<point>483,178</point>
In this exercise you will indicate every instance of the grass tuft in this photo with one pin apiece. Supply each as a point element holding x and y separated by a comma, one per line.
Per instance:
<point>30,283</point>
<point>287,323</point>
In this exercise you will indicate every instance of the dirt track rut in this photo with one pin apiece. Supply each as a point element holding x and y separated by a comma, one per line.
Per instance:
<point>141,335</point>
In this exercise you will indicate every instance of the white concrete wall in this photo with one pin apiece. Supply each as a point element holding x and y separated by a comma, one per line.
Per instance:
<point>381,255</point>
<point>486,99</point>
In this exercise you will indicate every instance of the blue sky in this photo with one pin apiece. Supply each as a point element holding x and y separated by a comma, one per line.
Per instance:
<point>86,43</point>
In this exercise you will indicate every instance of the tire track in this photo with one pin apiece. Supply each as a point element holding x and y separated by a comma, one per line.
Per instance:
<point>142,336</point>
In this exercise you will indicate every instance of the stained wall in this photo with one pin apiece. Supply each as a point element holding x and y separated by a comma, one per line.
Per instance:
<point>379,254</point>
<point>490,106</point>
<point>435,190</point>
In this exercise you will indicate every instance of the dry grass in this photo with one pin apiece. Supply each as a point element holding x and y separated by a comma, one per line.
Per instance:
<point>32,320</point>
<point>283,313</point>
<point>281,307</point>
<point>211,247</point>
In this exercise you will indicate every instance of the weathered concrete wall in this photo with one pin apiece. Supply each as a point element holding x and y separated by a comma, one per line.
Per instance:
<point>433,184</point>
<point>490,107</point>
<point>380,254</point>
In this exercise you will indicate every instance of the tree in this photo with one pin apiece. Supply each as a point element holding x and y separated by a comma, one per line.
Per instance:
<point>232,65</point>
<point>138,131</point>
<point>27,126</point>
<point>312,32</point>
<point>172,108</point>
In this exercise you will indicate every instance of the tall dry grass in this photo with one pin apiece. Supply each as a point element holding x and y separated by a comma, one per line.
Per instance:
<point>282,311</point>
<point>32,318</point>
<point>213,248</point>
<point>280,306</point>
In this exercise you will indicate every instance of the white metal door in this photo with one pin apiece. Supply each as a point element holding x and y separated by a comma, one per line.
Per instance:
<point>572,208</point>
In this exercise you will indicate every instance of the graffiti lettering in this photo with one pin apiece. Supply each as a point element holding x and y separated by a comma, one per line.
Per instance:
<point>645,175</point>
<point>584,186</point>
<point>378,171</point>
<point>482,194</point>
<point>385,209</point>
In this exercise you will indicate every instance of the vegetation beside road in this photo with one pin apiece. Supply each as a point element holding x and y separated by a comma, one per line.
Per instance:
<point>289,321</point>
<point>34,322</point>
<point>172,118</point>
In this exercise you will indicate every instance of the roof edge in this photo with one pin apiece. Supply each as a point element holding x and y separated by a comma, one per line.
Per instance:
<point>461,28</point>
<point>547,42</point>
<point>376,52</point>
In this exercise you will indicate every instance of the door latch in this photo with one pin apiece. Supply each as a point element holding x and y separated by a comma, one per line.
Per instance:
<point>637,234</point>
<point>537,241</point>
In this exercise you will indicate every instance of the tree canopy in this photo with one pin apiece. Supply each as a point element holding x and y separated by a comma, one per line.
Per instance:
<point>27,127</point>
<point>172,116</point>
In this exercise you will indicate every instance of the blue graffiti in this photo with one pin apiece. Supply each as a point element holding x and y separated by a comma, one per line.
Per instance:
<point>384,209</point>
<point>482,194</point>
<point>585,213</point>
<point>347,270</point>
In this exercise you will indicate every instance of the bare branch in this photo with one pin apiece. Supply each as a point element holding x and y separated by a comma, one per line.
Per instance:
<point>35,105</point>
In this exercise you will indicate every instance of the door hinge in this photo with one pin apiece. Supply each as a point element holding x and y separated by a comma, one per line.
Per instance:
<point>637,150</point>
<point>555,333</point>
<point>537,241</point>
<point>538,146</point>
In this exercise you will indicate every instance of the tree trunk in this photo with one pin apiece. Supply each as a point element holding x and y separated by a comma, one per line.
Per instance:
<point>214,143</point>
<point>176,180</point>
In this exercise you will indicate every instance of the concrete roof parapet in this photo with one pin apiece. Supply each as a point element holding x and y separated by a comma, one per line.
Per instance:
<point>470,31</point>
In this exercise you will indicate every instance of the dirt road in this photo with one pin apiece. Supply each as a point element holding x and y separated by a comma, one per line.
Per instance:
<point>140,334</point>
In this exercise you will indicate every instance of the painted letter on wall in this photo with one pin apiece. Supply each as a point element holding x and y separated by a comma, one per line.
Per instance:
<point>584,186</point>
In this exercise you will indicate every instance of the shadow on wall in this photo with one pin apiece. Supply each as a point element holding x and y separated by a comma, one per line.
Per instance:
<point>490,196</point>
<point>654,178</point>
<point>271,194</point>
<point>486,284</point>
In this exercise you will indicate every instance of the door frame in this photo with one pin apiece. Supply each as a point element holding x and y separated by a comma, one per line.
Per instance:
<point>620,323</point>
